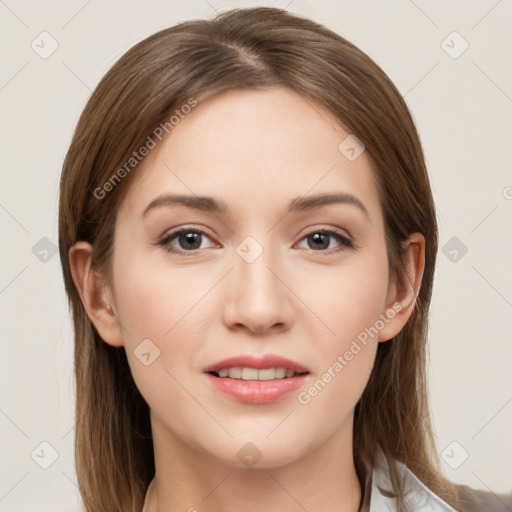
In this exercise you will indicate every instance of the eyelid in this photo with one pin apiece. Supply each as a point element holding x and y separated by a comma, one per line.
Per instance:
<point>327,228</point>
<point>186,228</point>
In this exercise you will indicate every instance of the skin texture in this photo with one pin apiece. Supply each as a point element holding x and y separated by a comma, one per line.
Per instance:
<point>256,151</point>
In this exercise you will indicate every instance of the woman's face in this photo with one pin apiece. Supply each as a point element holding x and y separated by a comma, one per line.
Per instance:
<point>263,269</point>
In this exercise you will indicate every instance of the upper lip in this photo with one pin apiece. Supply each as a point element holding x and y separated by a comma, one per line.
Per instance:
<point>258,362</point>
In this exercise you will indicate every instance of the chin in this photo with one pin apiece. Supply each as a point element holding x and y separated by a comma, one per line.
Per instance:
<point>260,453</point>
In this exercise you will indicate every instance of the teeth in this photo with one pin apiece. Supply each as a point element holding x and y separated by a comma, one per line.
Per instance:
<point>267,374</point>
<point>249,374</point>
<point>280,373</point>
<point>235,373</point>
<point>255,374</point>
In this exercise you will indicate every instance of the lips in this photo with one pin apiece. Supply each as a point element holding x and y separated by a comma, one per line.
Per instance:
<point>258,363</point>
<point>256,380</point>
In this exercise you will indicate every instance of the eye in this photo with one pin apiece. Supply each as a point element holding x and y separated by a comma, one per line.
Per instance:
<point>321,240</point>
<point>188,240</point>
<point>184,240</point>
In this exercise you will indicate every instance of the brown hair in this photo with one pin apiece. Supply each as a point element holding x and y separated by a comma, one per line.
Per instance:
<point>242,49</point>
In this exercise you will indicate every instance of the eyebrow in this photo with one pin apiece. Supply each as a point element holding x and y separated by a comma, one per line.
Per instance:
<point>299,204</point>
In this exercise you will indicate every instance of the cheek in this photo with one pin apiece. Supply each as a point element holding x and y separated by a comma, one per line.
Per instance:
<point>154,299</point>
<point>349,302</point>
<point>348,298</point>
<point>345,358</point>
<point>156,308</point>
<point>171,307</point>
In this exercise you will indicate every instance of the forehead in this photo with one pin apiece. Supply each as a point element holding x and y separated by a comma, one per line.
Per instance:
<point>249,146</point>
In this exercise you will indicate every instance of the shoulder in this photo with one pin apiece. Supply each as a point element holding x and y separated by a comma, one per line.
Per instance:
<point>419,498</point>
<point>475,501</point>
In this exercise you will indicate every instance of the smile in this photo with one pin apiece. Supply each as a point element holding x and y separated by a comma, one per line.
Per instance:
<point>256,374</point>
<point>256,379</point>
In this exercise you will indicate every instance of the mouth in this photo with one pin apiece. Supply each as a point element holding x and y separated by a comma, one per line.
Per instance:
<point>246,373</point>
<point>256,380</point>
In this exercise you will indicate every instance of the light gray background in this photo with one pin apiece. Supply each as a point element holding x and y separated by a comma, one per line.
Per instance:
<point>463,109</point>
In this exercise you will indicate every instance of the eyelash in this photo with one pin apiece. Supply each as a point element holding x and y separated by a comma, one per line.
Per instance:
<point>345,242</point>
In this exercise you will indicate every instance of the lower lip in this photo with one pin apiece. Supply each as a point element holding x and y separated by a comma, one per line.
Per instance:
<point>256,391</point>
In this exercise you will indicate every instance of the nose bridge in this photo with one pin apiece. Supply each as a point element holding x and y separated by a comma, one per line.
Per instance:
<point>258,299</point>
<point>256,277</point>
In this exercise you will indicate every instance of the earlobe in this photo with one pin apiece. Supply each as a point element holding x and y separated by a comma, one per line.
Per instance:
<point>403,295</point>
<point>96,297</point>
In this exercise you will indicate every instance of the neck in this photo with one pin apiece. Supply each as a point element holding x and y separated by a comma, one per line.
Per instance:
<point>188,479</point>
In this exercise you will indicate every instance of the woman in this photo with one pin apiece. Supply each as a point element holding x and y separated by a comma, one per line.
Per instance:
<point>248,239</point>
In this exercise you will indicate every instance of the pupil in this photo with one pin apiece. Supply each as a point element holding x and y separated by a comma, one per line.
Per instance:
<point>321,243</point>
<point>191,239</point>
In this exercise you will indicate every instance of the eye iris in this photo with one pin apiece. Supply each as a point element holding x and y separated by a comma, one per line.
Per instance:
<point>190,238</point>
<point>321,241</point>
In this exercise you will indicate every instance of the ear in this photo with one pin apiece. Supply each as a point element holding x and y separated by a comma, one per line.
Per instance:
<point>96,296</point>
<point>402,296</point>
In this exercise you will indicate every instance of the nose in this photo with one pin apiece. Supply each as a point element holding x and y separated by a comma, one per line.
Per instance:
<point>257,299</point>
